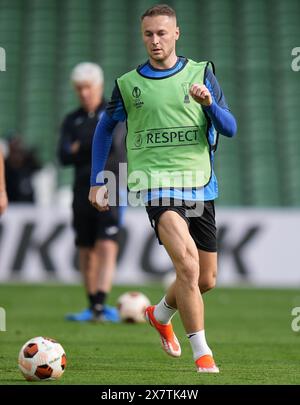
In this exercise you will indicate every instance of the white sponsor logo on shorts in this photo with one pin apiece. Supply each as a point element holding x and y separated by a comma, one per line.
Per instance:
<point>112,230</point>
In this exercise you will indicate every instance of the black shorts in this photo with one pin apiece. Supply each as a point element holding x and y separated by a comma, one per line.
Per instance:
<point>91,225</point>
<point>201,227</point>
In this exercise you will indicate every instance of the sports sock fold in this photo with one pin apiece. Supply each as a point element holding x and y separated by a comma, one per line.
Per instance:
<point>163,312</point>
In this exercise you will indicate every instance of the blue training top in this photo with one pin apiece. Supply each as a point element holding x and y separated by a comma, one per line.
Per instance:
<point>219,118</point>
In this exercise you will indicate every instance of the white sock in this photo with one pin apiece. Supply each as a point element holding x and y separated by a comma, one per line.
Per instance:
<point>199,345</point>
<point>163,312</point>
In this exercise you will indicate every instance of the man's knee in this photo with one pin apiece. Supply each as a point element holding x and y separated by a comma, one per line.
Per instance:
<point>208,282</point>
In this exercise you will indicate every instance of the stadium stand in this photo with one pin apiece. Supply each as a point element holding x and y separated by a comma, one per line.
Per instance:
<point>249,42</point>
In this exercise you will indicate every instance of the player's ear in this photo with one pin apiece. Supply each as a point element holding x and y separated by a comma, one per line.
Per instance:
<point>177,33</point>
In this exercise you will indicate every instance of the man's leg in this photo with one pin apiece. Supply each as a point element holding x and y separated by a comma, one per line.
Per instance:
<point>87,261</point>
<point>207,277</point>
<point>175,236</point>
<point>106,253</point>
<point>87,267</point>
<point>104,263</point>
<point>184,292</point>
<point>208,270</point>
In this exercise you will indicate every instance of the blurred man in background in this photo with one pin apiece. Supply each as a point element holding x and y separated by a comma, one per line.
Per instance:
<point>21,164</point>
<point>3,195</point>
<point>96,233</point>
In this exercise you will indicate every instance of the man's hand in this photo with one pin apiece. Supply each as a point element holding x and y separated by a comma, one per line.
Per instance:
<point>75,146</point>
<point>201,94</point>
<point>98,197</point>
<point>3,201</point>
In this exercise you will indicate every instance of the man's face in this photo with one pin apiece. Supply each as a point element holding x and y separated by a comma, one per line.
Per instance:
<point>160,34</point>
<point>89,94</point>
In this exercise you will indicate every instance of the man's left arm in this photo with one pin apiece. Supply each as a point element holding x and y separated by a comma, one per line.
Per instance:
<point>212,100</point>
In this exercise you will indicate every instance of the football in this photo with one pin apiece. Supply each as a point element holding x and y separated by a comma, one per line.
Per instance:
<point>42,358</point>
<point>132,306</point>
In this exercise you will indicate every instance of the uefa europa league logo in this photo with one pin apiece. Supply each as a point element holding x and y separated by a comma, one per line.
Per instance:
<point>136,93</point>
<point>186,88</point>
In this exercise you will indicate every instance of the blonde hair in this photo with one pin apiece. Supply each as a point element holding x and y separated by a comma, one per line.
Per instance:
<point>159,9</point>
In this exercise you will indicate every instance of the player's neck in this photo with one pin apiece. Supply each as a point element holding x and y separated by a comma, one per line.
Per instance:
<point>164,64</point>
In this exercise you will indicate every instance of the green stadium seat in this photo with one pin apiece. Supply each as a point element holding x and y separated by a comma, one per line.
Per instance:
<point>250,43</point>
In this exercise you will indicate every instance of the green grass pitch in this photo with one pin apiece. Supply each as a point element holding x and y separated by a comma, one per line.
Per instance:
<point>249,331</point>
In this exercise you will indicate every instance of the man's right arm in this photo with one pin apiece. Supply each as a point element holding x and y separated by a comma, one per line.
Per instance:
<point>101,147</point>
<point>102,142</point>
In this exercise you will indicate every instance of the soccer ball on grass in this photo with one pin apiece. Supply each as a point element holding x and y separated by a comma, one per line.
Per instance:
<point>42,358</point>
<point>132,306</point>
